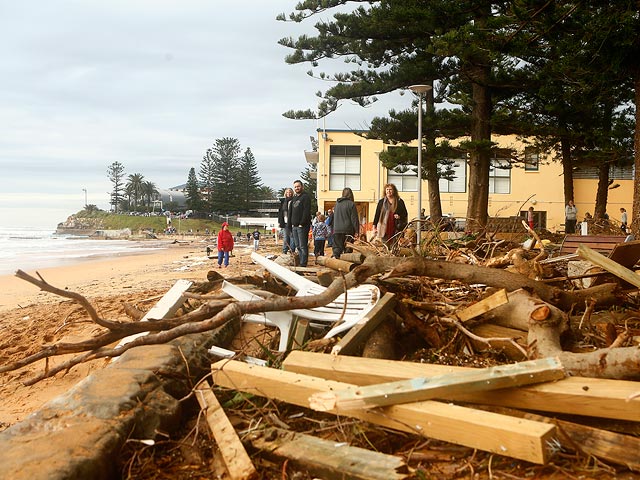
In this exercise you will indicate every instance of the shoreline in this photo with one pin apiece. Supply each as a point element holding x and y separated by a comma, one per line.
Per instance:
<point>117,271</point>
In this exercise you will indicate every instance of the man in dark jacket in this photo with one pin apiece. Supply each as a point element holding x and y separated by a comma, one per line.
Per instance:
<point>288,242</point>
<point>300,220</point>
<point>345,221</point>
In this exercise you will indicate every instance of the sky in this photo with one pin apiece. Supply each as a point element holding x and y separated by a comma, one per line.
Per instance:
<point>152,85</point>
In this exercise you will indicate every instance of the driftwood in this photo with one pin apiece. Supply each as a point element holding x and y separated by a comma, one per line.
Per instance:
<point>604,295</point>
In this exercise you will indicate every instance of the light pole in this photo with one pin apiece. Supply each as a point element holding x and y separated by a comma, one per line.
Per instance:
<point>85,197</point>
<point>419,90</point>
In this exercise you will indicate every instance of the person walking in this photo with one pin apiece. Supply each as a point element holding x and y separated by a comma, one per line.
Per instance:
<point>391,214</point>
<point>570,217</point>
<point>288,244</point>
<point>345,222</point>
<point>225,245</point>
<point>623,219</point>
<point>320,234</point>
<point>256,239</point>
<point>300,220</point>
<point>329,222</point>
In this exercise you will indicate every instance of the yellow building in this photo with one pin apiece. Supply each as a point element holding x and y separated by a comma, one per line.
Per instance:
<point>346,159</point>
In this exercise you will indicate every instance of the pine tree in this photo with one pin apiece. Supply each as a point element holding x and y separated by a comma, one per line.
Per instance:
<point>207,180</point>
<point>249,184</point>
<point>225,155</point>
<point>115,173</point>
<point>193,191</point>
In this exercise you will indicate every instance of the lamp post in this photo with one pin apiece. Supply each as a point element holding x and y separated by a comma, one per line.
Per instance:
<point>85,197</point>
<point>419,90</point>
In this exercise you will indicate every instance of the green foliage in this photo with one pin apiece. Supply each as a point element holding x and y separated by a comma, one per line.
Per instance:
<point>115,173</point>
<point>157,223</point>
<point>193,191</point>
<point>248,182</point>
<point>310,185</point>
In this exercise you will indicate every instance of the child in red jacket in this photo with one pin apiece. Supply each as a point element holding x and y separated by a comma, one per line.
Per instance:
<point>225,245</point>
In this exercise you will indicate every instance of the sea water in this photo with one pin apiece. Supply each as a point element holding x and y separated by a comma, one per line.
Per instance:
<point>32,249</point>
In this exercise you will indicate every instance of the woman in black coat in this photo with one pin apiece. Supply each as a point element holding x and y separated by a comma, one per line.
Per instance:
<point>391,214</point>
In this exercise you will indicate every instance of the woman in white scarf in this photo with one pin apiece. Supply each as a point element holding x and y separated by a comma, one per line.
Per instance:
<point>391,214</point>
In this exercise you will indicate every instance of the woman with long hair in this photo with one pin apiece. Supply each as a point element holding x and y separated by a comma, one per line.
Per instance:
<point>391,214</point>
<point>345,222</point>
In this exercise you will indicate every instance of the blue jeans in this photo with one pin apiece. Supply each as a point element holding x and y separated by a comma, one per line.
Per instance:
<point>301,238</point>
<point>288,242</point>
<point>224,255</point>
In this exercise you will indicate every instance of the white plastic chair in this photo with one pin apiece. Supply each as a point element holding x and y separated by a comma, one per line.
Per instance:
<point>359,301</point>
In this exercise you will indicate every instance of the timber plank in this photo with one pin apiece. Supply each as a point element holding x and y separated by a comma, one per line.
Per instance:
<point>326,459</point>
<point>609,265</point>
<point>483,306</point>
<point>349,344</point>
<point>501,434</point>
<point>425,388</point>
<point>595,397</point>
<point>235,457</point>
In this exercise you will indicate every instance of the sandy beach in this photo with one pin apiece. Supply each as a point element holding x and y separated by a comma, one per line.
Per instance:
<point>30,318</point>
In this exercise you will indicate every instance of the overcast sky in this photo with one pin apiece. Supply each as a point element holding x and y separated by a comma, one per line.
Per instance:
<point>150,84</point>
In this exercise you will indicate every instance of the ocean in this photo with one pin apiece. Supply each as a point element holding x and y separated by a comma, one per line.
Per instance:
<point>32,249</point>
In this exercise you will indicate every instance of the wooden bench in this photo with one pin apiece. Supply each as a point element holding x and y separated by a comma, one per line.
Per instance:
<point>600,243</point>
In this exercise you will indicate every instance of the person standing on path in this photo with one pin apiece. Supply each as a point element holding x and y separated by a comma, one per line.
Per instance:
<point>256,239</point>
<point>530,217</point>
<point>283,222</point>
<point>623,219</point>
<point>345,221</point>
<point>320,234</point>
<point>300,220</point>
<point>391,214</point>
<point>570,217</point>
<point>225,245</point>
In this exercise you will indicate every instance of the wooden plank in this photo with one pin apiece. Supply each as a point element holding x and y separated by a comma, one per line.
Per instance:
<point>487,431</point>
<point>593,397</point>
<point>164,308</point>
<point>626,254</point>
<point>604,243</point>
<point>349,344</point>
<point>326,459</point>
<point>440,386</point>
<point>483,306</point>
<point>300,334</point>
<point>604,444</point>
<point>609,265</point>
<point>235,457</point>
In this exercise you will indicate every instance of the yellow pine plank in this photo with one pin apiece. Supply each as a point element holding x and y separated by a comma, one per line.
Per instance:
<point>513,437</point>
<point>441,386</point>
<point>594,397</point>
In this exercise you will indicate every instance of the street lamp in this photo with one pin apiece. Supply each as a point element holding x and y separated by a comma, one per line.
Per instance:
<point>85,197</point>
<point>419,90</point>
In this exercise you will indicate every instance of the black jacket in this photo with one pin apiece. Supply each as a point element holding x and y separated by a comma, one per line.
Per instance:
<point>284,209</point>
<point>300,210</point>
<point>345,217</point>
<point>401,210</point>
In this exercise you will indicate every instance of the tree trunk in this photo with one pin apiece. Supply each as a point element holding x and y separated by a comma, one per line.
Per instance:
<point>635,215</point>
<point>567,169</point>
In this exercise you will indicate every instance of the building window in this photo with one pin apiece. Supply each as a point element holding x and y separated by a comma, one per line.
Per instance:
<point>344,169</point>
<point>500,176</point>
<point>531,160</point>
<point>404,178</point>
<point>458,182</point>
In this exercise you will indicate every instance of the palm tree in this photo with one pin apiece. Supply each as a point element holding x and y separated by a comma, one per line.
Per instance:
<point>133,189</point>
<point>149,192</point>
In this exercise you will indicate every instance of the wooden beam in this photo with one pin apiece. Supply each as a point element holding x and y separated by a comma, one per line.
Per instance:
<point>164,308</point>
<point>483,306</point>
<point>326,459</point>
<point>235,457</point>
<point>349,344</point>
<point>487,431</point>
<point>593,397</point>
<point>604,444</point>
<point>609,265</point>
<point>440,386</point>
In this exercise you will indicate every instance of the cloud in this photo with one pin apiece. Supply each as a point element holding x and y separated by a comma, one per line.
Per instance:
<point>150,84</point>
